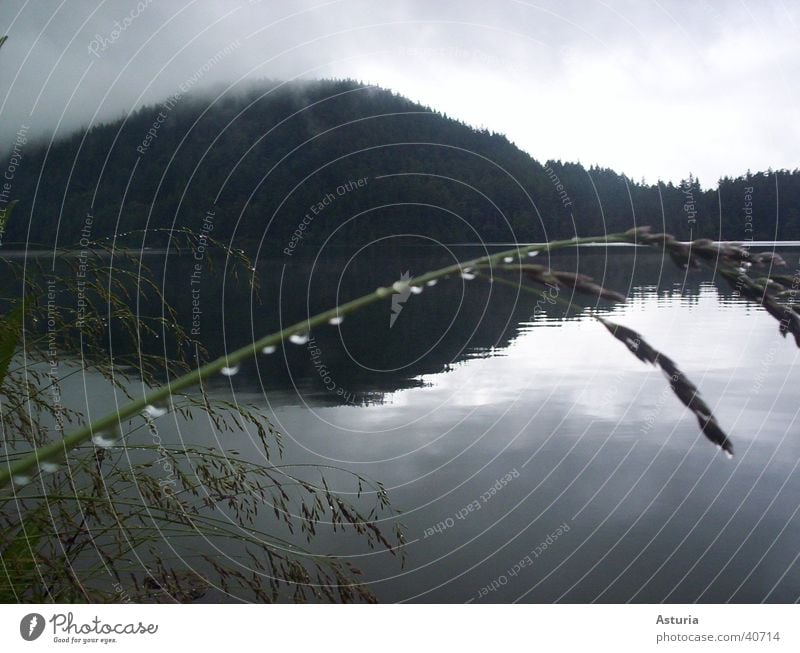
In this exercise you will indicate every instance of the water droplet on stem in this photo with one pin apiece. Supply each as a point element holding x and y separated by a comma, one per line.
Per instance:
<point>154,411</point>
<point>298,338</point>
<point>104,440</point>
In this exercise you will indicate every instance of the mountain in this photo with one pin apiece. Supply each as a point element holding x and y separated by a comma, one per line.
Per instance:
<point>291,164</point>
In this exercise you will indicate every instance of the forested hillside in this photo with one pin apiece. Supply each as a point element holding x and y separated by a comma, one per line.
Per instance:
<point>338,159</point>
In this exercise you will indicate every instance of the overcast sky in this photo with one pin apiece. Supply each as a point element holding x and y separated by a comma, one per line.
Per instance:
<point>651,89</point>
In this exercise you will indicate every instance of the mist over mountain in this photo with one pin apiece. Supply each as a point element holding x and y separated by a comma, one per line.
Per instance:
<point>298,163</point>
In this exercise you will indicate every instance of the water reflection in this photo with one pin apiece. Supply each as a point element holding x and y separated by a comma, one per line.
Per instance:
<point>389,347</point>
<point>465,389</point>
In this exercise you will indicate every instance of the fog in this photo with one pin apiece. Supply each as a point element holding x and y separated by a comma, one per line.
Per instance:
<point>651,89</point>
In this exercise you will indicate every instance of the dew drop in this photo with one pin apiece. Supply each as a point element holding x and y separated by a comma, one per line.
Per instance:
<point>50,468</point>
<point>400,286</point>
<point>729,455</point>
<point>269,349</point>
<point>336,321</point>
<point>468,275</point>
<point>21,479</point>
<point>415,290</point>
<point>298,338</point>
<point>508,259</point>
<point>104,440</point>
<point>154,411</point>
<point>533,253</point>
<point>229,371</point>
<point>432,282</point>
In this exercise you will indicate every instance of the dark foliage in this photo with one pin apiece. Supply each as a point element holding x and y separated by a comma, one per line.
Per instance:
<point>261,157</point>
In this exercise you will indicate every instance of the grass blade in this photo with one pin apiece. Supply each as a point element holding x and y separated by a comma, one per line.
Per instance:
<point>684,389</point>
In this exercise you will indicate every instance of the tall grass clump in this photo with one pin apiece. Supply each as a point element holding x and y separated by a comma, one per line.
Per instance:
<point>121,512</point>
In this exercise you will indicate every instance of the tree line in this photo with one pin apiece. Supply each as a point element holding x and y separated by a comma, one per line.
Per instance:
<point>347,163</point>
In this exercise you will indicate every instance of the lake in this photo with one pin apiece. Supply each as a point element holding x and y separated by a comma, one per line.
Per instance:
<point>534,459</point>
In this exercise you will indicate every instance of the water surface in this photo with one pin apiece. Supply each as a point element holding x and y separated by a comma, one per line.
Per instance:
<point>533,457</point>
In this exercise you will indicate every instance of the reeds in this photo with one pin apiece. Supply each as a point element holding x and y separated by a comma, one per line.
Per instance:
<point>129,515</point>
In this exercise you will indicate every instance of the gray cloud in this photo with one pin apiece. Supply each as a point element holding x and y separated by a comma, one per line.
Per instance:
<point>654,89</point>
